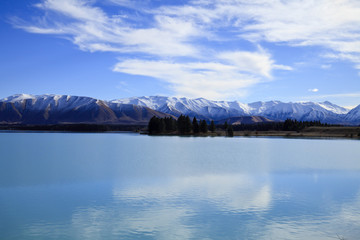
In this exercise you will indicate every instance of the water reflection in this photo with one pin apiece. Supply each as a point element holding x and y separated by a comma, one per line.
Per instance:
<point>341,220</point>
<point>228,206</point>
<point>234,193</point>
<point>200,207</point>
<point>136,187</point>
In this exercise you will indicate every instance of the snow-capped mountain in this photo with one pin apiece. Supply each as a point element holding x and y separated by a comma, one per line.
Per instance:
<point>52,109</point>
<point>200,107</point>
<point>302,111</point>
<point>354,116</point>
<point>217,110</point>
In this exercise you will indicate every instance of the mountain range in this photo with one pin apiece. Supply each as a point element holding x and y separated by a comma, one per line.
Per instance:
<point>55,109</point>
<point>62,109</point>
<point>325,112</point>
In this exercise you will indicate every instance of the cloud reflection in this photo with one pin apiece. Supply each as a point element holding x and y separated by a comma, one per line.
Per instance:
<point>165,208</point>
<point>218,206</point>
<point>234,193</point>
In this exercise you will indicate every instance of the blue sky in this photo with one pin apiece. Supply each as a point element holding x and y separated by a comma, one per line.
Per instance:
<point>246,50</point>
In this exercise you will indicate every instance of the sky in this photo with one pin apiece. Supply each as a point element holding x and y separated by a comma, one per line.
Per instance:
<point>244,50</point>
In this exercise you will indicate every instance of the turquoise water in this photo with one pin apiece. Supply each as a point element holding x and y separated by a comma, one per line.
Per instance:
<point>130,186</point>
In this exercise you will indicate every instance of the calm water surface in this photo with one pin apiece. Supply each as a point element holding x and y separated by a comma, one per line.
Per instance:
<point>128,186</point>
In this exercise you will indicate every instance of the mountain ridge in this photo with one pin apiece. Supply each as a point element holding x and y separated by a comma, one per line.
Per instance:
<point>52,108</point>
<point>218,110</point>
<point>63,109</point>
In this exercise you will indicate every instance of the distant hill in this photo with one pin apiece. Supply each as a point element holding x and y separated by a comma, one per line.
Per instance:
<point>62,109</point>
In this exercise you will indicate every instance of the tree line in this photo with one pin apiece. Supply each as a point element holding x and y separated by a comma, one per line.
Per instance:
<point>287,125</point>
<point>184,125</point>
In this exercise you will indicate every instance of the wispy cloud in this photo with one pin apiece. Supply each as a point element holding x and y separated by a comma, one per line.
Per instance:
<point>313,90</point>
<point>229,75</point>
<point>334,25</point>
<point>340,95</point>
<point>173,42</point>
<point>331,97</point>
<point>193,79</point>
<point>92,29</point>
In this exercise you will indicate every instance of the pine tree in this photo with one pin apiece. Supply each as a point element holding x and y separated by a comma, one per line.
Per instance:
<point>173,124</point>
<point>162,126</point>
<point>170,124</point>
<point>195,125</point>
<point>225,125</point>
<point>230,131</point>
<point>152,125</point>
<point>156,125</point>
<point>188,125</point>
<point>181,124</point>
<point>212,126</point>
<point>203,126</point>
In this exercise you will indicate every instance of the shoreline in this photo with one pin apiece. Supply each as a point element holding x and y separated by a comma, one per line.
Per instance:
<point>343,132</point>
<point>311,132</point>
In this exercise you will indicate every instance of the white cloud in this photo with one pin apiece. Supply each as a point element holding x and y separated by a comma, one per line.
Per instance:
<point>161,217</point>
<point>313,90</point>
<point>129,3</point>
<point>334,25</point>
<point>250,62</point>
<point>92,29</point>
<point>163,39</point>
<point>210,80</point>
<point>213,80</point>
<point>176,38</point>
<point>225,191</point>
<point>76,9</point>
<point>168,38</point>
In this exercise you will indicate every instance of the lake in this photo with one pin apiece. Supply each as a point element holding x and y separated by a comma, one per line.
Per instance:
<point>131,186</point>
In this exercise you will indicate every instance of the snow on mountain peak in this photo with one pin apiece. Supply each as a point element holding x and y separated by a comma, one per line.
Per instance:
<point>18,97</point>
<point>333,108</point>
<point>200,107</point>
<point>208,109</point>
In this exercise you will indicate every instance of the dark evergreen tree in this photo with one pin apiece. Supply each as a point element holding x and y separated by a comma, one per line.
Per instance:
<point>170,124</point>
<point>203,126</point>
<point>181,124</point>
<point>212,126</point>
<point>188,125</point>
<point>195,125</point>
<point>230,131</point>
<point>162,126</point>
<point>225,125</point>
<point>173,124</point>
<point>154,125</point>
